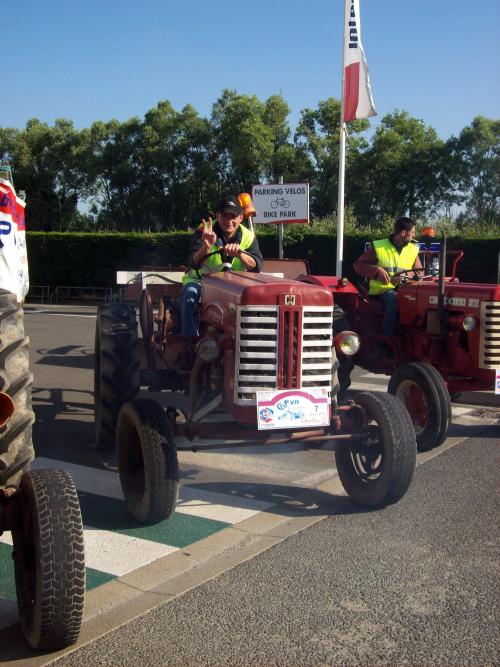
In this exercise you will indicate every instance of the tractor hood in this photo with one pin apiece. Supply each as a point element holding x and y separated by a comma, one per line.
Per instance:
<point>223,292</point>
<point>457,296</point>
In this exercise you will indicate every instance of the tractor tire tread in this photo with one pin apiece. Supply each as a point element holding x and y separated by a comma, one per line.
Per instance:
<point>401,433</point>
<point>159,455</point>
<point>16,446</point>
<point>117,368</point>
<point>58,612</point>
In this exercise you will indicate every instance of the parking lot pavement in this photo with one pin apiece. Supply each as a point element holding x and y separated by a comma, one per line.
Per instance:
<point>220,489</point>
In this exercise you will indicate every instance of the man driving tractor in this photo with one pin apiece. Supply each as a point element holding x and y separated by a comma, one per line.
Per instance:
<point>227,242</point>
<point>382,263</point>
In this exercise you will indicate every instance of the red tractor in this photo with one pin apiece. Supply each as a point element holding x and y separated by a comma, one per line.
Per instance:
<point>267,356</point>
<point>447,341</point>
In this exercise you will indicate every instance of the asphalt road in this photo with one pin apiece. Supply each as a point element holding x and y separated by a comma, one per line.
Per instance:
<point>316,581</point>
<point>413,584</point>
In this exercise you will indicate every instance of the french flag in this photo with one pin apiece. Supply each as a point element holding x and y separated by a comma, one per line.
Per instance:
<point>357,93</point>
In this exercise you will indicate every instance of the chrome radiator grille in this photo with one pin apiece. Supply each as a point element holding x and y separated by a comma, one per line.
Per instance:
<point>489,346</point>
<point>287,348</point>
<point>317,347</point>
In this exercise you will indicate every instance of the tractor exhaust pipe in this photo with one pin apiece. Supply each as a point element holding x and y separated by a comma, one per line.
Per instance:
<point>6,408</point>
<point>442,273</point>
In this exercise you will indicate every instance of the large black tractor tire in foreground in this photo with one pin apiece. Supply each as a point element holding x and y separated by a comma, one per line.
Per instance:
<point>424,394</point>
<point>378,470</point>
<point>147,460</point>
<point>49,560</point>
<point>16,447</point>
<point>116,367</point>
<point>47,531</point>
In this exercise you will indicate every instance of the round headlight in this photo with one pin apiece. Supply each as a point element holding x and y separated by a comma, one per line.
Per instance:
<point>347,342</point>
<point>469,322</point>
<point>208,349</point>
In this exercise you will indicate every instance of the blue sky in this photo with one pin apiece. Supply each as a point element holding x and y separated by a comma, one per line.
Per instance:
<point>101,59</point>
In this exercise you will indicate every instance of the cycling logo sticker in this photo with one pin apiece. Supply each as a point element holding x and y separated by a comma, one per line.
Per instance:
<point>293,408</point>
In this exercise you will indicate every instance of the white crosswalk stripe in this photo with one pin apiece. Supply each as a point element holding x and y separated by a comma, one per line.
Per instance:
<point>119,554</point>
<point>194,502</point>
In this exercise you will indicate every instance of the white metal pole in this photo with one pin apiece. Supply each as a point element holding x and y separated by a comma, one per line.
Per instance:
<point>343,133</point>
<point>340,205</point>
<point>280,230</point>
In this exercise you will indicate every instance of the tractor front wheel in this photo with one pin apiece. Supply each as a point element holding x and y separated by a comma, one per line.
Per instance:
<point>377,469</point>
<point>424,394</point>
<point>49,563</point>
<point>147,460</point>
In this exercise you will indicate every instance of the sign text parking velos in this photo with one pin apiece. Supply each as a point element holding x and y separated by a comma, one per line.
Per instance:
<point>281,203</point>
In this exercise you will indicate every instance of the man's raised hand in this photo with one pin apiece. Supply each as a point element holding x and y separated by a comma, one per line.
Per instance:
<point>208,236</point>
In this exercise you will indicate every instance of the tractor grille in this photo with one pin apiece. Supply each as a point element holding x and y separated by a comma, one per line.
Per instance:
<point>489,347</point>
<point>317,347</point>
<point>282,348</point>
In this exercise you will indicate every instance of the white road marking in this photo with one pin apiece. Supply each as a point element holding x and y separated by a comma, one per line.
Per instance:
<point>220,506</point>
<point>369,386</point>
<point>91,480</point>
<point>195,502</point>
<point>49,312</point>
<point>119,554</point>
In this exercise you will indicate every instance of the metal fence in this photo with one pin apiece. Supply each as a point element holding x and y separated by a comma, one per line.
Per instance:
<point>64,293</point>
<point>39,293</point>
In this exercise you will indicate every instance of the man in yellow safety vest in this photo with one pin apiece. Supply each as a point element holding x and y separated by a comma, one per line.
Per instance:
<point>239,251</point>
<point>383,261</point>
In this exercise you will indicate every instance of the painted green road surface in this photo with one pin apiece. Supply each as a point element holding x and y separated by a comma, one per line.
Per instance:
<point>115,543</point>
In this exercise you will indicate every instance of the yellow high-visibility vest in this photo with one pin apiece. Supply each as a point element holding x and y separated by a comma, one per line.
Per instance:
<point>214,263</point>
<point>393,261</point>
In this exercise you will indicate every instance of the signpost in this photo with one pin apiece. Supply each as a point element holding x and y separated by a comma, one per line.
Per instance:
<point>279,204</point>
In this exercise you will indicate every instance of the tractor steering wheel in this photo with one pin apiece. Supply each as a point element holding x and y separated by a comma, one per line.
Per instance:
<point>407,275</point>
<point>226,266</point>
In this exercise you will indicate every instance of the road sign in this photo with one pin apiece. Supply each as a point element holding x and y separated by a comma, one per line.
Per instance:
<point>281,203</point>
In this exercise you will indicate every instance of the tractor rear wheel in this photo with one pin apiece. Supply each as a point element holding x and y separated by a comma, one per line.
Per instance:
<point>16,446</point>
<point>147,460</point>
<point>116,367</point>
<point>49,561</point>
<point>445,403</point>
<point>424,394</point>
<point>378,470</point>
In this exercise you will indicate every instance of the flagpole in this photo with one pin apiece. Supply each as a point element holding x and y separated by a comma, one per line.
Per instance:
<point>343,132</point>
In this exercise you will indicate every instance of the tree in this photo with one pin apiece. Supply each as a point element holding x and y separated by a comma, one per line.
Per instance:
<point>114,165</point>
<point>180,163</point>
<point>401,173</point>
<point>318,135</point>
<point>474,159</point>
<point>47,165</point>
<point>245,143</point>
<point>287,161</point>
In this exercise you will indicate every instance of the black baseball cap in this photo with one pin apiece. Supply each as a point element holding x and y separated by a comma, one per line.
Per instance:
<point>230,204</point>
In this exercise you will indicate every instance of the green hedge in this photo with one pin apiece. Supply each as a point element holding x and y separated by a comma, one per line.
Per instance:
<point>80,259</point>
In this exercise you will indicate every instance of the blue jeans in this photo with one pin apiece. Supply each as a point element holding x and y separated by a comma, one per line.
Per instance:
<point>190,299</point>
<point>391,311</point>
